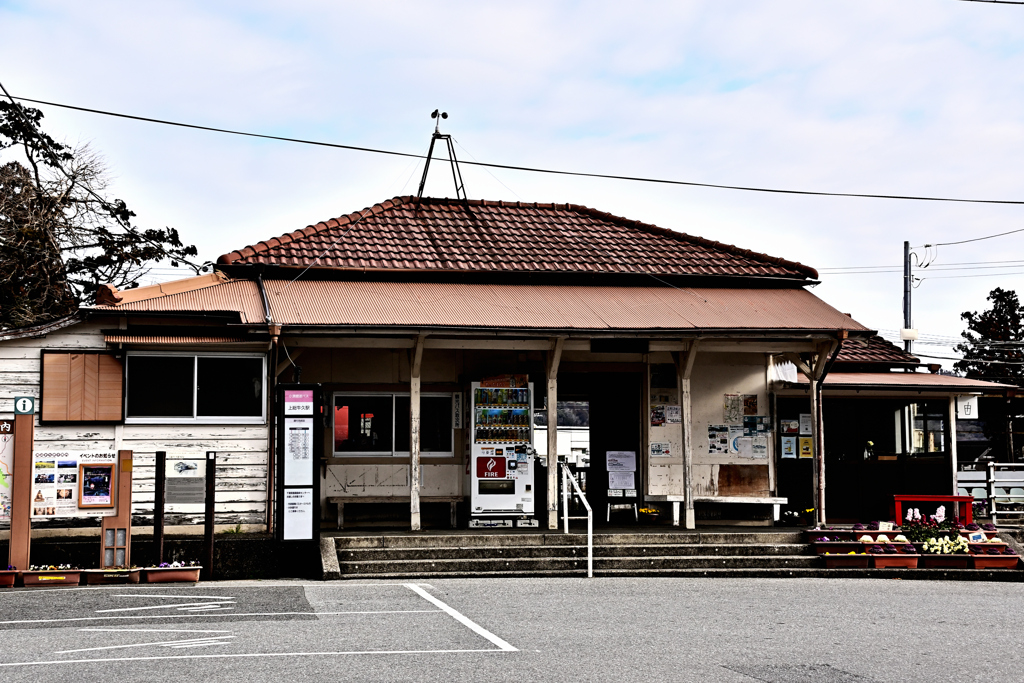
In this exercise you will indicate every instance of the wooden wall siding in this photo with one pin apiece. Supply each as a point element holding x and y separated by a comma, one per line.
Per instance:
<point>242,457</point>
<point>81,387</point>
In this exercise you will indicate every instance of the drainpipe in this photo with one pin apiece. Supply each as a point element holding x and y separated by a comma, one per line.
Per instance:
<point>275,340</point>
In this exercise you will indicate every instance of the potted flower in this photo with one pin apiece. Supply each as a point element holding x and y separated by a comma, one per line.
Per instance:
<point>650,513</point>
<point>995,557</point>
<point>168,572</point>
<point>891,556</point>
<point>111,575</point>
<point>7,576</point>
<point>952,553</point>
<point>51,575</point>
<point>849,560</point>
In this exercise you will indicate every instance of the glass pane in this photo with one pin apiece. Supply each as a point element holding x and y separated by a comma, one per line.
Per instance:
<point>435,424</point>
<point>230,387</point>
<point>362,424</point>
<point>108,557</point>
<point>120,557</point>
<point>109,537</point>
<point>122,537</point>
<point>160,386</point>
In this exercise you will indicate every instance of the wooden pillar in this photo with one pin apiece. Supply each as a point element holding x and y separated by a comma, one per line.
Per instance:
<point>21,492</point>
<point>414,436</point>
<point>819,455</point>
<point>554,357</point>
<point>952,445</point>
<point>684,368</point>
<point>116,530</point>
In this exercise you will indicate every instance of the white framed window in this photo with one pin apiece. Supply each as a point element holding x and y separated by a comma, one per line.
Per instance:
<point>185,387</point>
<point>377,423</point>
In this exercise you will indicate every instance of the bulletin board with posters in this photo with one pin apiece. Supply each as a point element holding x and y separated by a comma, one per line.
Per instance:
<point>62,481</point>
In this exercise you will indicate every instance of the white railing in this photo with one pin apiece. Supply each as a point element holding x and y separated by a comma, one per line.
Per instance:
<point>568,477</point>
<point>998,482</point>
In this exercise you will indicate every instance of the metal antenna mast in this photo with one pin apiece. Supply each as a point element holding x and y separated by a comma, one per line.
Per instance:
<point>460,187</point>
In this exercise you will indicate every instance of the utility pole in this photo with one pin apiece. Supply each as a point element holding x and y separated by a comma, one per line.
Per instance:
<point>908,345</point>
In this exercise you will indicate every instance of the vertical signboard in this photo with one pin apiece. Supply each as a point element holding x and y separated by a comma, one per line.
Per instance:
<point>300,441</point>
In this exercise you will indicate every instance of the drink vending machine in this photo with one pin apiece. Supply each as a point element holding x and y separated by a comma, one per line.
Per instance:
<point>502,469</point>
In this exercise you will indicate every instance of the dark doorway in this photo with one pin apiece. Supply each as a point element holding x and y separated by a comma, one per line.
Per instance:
<point>615,400</point>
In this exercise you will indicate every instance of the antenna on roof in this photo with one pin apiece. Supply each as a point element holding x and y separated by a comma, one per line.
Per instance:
<point>460,187</point>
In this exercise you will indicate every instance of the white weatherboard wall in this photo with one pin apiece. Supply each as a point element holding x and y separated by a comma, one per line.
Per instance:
<point>242,456</point>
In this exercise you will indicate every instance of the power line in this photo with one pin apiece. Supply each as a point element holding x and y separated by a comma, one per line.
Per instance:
<point>976,239</point>
<point>895,265</point>
<point>530,169</point>
<point>997,2</point>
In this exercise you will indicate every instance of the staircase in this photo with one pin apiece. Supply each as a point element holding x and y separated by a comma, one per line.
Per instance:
<point>556,554</point>
<point>736,554</point>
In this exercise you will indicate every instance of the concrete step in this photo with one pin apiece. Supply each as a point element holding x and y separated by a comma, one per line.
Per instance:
<point>999,575</point>
<point>498,539</point>
<point>531,565</point>
<point>481,552</point>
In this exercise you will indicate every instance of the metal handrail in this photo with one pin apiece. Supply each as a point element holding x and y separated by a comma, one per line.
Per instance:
<point>566,478</point>
<point>1002,482</point>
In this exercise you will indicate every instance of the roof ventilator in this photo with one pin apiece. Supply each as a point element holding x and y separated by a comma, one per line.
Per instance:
<point>460,187</point>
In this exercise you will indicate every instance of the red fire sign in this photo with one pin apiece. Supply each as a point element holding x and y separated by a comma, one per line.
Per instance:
<point>490,467</point>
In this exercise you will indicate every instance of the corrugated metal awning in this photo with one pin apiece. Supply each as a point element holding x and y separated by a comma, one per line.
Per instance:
<point>904,380</point>
<point>420,304</point>
<point>167,339</point>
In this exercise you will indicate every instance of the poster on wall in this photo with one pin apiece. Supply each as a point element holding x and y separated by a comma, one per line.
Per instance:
<point>789,426</point>
<point>673,415</point>
<point>73,484</point>
<point>806,447</point>
<point>733,409</point>
<point>755,425</point>
<point>718,439</point>
<point>657,415</point>
<point>6,468</point>
<point>622,480</point>
<point>660,449</point>
<point>750,404</point>
<point>735,434</point>
<point>744,446</point>
<point>789,447</point>
<point>185,483</point>
<point>621,461</point>
<point>806,425</point>
<point>759,447</point>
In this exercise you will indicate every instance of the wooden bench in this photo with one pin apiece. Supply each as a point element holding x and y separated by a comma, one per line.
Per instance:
<point>775,502</point>
<point>964,505</point>
<point>341,500</point>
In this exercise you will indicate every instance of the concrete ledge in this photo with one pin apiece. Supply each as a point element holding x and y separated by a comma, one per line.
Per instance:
<point>329,559</point>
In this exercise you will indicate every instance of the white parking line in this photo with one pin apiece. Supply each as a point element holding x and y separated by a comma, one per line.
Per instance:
<point>180,604</point>
<point>462,619</point>
<point>207,640</point>
<point>217,614</point>
<point>252,655</point>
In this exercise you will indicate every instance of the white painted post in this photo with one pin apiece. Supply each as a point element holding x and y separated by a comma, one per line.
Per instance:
<point>684,368</point>
<point>414,436</point>
<point>554,356</point>
<point>952,445</point>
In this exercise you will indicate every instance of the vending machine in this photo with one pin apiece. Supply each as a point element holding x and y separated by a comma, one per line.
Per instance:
<point>502,467</point>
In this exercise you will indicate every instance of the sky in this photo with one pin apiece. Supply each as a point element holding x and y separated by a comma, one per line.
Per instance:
<point>916,97</point>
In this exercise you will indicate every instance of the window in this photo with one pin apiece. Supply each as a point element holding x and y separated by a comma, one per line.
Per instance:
<point>80,387</point>
<point>185,387</point>
<point>378,424</point>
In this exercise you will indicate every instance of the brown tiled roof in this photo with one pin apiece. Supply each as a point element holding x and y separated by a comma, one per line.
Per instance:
<point>874,350</point>
<point>486,236</point>
<point>548,307</point>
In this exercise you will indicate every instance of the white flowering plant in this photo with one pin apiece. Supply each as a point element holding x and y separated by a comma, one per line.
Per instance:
<point>946,546</point>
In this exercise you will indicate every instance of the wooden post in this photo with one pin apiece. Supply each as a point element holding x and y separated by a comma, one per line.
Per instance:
<point>116,530</point>
<point>554,357</point>
<point>21,492</point>
<point>415,522</point>
<point>209,520</point>
<point>160,479</point>
<point>952,444</point>
<point>825,350</point>
<point>684,368</point>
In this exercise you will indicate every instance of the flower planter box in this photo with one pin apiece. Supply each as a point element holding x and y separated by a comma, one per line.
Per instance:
<point>837,547</point>
<point>97,577</point>
<point>171,574</point>
<point>898,561</point>
<point>54,577</point>
<point>7,577</point>
<point>995,561</point>
<point>929,561</point>
<point>846,561</point>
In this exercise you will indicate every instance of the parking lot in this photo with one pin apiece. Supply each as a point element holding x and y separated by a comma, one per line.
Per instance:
<point>517,629</point>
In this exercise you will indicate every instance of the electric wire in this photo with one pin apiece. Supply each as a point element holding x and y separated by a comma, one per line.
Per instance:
<point>973,239</point>
<point>531,169</point>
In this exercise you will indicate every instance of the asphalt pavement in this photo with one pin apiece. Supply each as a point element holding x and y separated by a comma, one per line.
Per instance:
<point>518,630</point>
